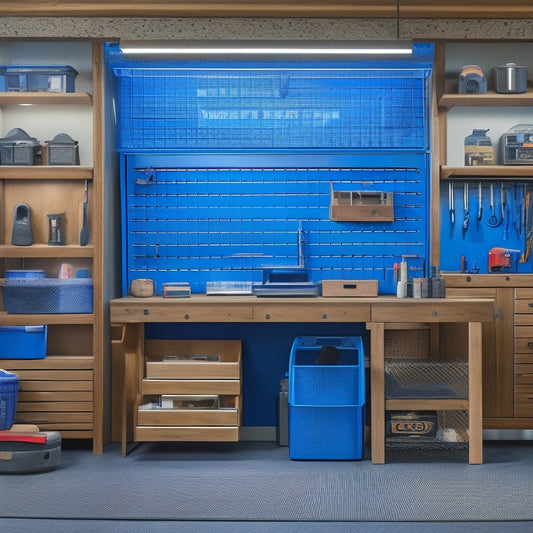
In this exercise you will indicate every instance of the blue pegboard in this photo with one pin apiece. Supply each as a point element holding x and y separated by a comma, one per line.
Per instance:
<point>228,167</point>
<point>509,230</point>
<point>213,217</point>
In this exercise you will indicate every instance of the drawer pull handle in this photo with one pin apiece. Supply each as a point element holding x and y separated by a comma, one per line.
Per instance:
<point>350,286</point>
<point>529,344</point>
<point>324,316</point>
<point>530,304</point>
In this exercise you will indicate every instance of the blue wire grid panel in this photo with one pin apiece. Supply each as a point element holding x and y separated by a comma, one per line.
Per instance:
<point>201,218</point>
<point>272,107</point>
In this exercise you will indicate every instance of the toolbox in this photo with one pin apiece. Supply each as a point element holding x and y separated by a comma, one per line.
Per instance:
<point>517,145</point>
<point>29,452</point>
<point>18,148</point>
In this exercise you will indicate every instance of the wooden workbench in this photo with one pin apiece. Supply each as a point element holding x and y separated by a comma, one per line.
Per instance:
<point>129,314</point>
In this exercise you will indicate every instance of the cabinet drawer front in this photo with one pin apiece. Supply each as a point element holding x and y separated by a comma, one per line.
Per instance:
<point>523,345</point>
<point>189,370</point>
<point>523,374</point>
<point>523,358</point>
<point>186,434</point>
<point>523,293</point>
<point>193,386</point>
<point>523,306</point>
<point>523,319</point>
<point>523,397</point>
<point>523,332</point>
<point>188,417</point>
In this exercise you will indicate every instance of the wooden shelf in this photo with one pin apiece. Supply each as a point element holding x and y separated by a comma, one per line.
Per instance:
<point>491,98</point>
<point>7,319</point>
<point>44,172</point>
<point>51,362</point>
<point>45,251</point>
<point>489,172</point>
<point>38,98</point>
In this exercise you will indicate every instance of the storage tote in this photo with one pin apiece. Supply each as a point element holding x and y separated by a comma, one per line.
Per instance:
<point>23,342</point>
<point>48,295</point>
<point>326,398</point>
<point>40,78</point>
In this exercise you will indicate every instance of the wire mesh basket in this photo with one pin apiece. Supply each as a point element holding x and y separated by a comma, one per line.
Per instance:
<point>426,378</point>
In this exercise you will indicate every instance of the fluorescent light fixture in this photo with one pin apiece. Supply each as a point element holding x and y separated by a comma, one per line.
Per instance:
<point>261,48</point>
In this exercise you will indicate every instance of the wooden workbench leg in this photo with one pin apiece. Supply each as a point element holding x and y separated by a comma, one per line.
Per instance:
<point>475,414</point>
<point>377,391</point>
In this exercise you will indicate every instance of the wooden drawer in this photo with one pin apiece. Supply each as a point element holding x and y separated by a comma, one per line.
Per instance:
<point>523,345</point>
<point>182,359</point>
<point>191,386</point>
<point>524,358</point>
<point>523,398</point>
<point>188,417</point>
<point>523,306</point>
<point>523,374</point>
<point>186,434</point>
<point>523,293</point>
<point>523,332</point>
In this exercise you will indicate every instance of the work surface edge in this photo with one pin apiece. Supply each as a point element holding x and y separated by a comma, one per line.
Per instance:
<point>204,308</point>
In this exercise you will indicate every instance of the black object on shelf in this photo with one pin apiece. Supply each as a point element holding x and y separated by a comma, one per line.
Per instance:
<point>22,234</point>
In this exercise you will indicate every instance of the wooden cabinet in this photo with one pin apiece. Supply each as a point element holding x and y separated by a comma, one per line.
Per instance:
<point>507,346</point>
<point>187,390</point>
<point>63,391</point>
<point>523,353</point>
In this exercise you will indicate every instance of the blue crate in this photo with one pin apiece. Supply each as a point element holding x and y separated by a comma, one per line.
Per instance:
<point>48,295</point>
<point>8,399</point>
<point>326,401</point>
<point>23,342</point>
<point>326,433</point>
<point>316,384</point>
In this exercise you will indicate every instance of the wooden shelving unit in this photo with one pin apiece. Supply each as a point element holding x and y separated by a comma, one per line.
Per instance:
<point>507,396</point>
<point>63,391</point>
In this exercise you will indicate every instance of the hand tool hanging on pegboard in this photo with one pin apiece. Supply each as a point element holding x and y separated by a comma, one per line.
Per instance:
<point>466,212</point>
<point>451,202</point>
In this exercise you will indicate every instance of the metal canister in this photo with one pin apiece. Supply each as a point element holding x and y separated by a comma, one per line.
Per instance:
<point>510,78</point>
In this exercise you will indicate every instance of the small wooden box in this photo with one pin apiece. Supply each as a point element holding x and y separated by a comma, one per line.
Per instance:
<point>361,206</point>
<point>353,288</point>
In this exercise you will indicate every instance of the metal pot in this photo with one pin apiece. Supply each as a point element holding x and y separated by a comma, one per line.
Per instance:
<point>510,79</point>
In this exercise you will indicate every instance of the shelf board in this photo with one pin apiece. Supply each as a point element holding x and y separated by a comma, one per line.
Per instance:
<point>488,172</point>
<point>43,172</point>
<point>490,98</point>
<point>426,404</point>
<point>7,319</point>
<point>28,98</point>
<point>51,362</point>
<point>46,251</point>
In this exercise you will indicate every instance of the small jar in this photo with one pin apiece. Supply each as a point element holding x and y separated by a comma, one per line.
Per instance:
<point>142,288</point>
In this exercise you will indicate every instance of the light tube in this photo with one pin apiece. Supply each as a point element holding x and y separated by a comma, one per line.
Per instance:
<point>259,48</point>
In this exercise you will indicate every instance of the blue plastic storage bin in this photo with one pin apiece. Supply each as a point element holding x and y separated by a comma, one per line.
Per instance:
<point>41,78</point>
<point>8,399</point>
<point>23,342</point>
<point>48,295</point>
<point>326,401</point>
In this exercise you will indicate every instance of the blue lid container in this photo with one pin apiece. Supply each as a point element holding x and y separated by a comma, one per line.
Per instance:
<point>16,274</point>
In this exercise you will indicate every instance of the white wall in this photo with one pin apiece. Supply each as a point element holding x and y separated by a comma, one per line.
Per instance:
<point>35,120</point>
<point>498,120</point>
